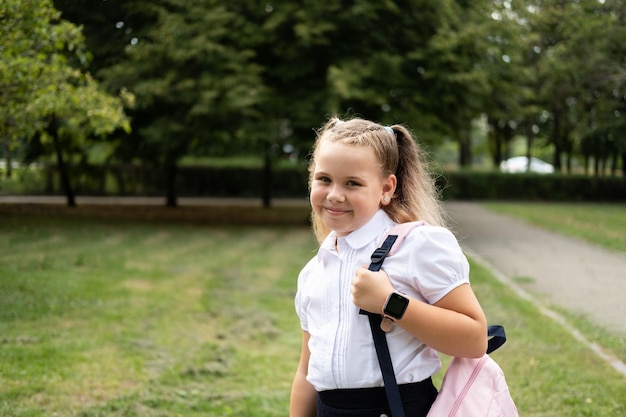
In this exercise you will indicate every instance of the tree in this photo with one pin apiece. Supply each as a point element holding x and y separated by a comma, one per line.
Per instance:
<point>577,68</point>
<point>407,62</point>
<point>242,77</point>
<point>191,68</point>
<point>509,106</point>
<point>45,92</point>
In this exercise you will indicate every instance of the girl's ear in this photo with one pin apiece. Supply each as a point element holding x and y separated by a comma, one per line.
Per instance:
<point>389,188</point>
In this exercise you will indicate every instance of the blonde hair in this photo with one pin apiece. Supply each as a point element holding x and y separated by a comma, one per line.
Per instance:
<point>416,196</point>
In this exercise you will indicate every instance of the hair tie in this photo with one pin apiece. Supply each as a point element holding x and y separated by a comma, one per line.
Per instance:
<point>389,130</point>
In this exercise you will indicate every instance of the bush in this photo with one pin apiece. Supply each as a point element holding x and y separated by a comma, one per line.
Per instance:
<point>531,187</point>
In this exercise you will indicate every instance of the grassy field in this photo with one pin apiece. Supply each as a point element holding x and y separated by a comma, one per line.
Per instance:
<point>105,317</point>
<point>602,224</point>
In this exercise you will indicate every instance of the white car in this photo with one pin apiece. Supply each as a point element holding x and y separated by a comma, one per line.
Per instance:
<point>519,164</point>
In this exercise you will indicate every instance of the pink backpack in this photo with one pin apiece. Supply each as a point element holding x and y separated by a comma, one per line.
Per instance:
<point>471,387</point>
<point>475,387</point>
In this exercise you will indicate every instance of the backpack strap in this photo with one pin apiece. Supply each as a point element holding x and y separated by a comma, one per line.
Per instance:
<point>396,408</point>
<point>402,230</point>
<point>497,337</point>
<point>390,245</point>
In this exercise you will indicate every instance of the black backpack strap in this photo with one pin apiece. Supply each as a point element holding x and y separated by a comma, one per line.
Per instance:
<point>380,340</point>
<point>379,254</point>
<point>497,337</point>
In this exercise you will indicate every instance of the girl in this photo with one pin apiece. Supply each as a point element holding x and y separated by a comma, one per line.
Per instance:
<point>365,178</point>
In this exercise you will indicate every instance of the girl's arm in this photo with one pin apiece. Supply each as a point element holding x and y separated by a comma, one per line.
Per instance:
<point>455,325</point>
<point>303,402</point>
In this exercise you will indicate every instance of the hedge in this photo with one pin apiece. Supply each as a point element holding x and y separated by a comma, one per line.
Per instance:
<point>291,182</point>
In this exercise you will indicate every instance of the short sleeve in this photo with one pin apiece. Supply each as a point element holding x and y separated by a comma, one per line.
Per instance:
<point>300,300</point>
<point>435,261</point>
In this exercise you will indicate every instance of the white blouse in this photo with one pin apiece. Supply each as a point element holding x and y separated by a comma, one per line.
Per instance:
<point>427,266</point>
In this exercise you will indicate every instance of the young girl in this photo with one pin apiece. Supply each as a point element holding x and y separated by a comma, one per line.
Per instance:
<point>364,179</point>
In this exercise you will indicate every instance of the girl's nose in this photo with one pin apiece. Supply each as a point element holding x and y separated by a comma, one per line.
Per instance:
<point>336,195</point>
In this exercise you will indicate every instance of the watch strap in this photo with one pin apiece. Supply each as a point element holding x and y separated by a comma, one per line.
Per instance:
<point>386,324</point>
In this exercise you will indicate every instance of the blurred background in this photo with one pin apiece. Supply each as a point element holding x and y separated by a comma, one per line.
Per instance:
<point>217,98</point>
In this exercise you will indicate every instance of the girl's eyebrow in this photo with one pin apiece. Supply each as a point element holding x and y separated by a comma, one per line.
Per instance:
<point>348,178</point>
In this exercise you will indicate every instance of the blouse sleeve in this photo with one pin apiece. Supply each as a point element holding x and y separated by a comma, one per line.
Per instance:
<point>436,262</point>
<point>300,294</point>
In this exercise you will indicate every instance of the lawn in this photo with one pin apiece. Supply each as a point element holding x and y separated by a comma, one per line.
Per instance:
<point>602,224</point>
<point>106,317</point>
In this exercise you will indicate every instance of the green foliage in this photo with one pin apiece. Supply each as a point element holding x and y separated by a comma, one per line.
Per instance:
<point>579,79</point>
<point>192,73</point>
<point>41,77</point>
<point>214,78</point>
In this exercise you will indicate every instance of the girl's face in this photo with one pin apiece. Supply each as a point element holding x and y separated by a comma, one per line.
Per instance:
<point>347,188</point>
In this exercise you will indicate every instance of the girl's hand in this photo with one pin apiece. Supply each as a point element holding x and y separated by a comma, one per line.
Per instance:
<point>370,289</point>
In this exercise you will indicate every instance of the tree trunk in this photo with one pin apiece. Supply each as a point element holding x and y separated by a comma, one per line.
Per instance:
<point>529,144</point>
<point>7,158</point>
<point>118,174</point>
<point>496,145</point>
<point>465,151</point>
<point>498,153</point>
<point>267,178</point>
<point>614,163</point>
<point>171,172</point>
<point>556,140</point>
<point>63,170</point>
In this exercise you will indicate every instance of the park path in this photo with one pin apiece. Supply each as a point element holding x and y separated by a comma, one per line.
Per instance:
<point>564,271</point>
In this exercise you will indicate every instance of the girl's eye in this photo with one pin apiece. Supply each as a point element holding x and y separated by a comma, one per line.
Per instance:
<point>353,184</point>
<point>323,179</point>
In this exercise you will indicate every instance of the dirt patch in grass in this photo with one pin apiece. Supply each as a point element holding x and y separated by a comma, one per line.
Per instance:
<point>213,215</point>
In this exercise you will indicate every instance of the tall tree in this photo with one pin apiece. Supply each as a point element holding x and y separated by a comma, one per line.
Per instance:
<point>46,93</point>
<point>575,72</point>
<point>190,66</point>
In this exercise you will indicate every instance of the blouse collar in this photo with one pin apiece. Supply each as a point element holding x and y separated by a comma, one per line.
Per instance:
<point>359,238</point>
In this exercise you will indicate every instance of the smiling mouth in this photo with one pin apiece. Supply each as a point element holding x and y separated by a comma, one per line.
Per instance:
<point>335,211</point>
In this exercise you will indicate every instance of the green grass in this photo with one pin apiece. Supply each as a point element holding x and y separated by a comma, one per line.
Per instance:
<point>106,317</point>
<point>116,318</point>
<point>602,224</point>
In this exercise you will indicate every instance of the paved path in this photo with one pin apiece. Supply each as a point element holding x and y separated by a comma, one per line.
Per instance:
<point>564,271</point>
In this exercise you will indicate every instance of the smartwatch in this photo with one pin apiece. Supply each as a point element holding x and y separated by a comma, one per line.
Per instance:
<point>393,310</point>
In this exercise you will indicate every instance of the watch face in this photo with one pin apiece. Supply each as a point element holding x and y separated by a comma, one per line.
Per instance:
<point>396,305</point>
